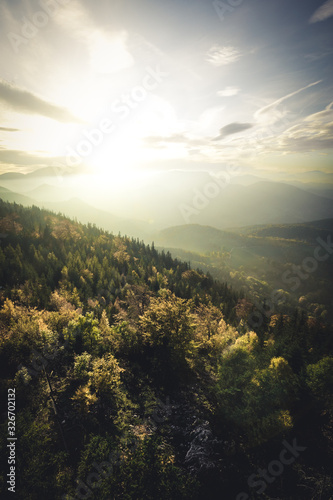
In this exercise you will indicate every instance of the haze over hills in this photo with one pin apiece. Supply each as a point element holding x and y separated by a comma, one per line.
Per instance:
<point>85,213</point>
<point>202,239</point>
<point>261,259</point>
<point>166,236</point>
<point>175,198</point>
<point>197,238</point>
<point>49,193</point>
<point>78,209</point>
<point>307,232</point>
<point>8,195</point>
<point>244,227</point>
<point>167,199</point>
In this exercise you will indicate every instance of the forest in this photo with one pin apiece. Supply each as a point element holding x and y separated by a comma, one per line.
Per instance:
<point>137,376</point>
<point>263,260</point>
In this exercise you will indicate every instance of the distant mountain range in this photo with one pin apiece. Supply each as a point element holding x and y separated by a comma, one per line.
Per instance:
<point>201,239</point>
<point>142,207</point>
<point>83,212</point>
<point>259,203</point>
<point>197,238</point>
<point>40,173</point>
<point>8,195</point>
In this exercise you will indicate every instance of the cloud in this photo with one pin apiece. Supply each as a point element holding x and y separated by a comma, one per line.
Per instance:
<point>313,133</point>
<point>320,116</point>
<point>159,142</point>
<point>26,102</point>
<point>324,12</point>
<point>220,56</point>
<point>154,139</point>
<point>228,92</point>
<point>317,56</point>
<point>5,129</point>
<point>22,158</point>
<point>233,128</point>
<point>273,105</point>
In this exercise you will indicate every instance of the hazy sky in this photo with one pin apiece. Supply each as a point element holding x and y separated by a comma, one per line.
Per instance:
<point>130,84</point>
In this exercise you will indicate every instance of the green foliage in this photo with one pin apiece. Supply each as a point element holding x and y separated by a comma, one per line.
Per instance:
<point>256,400</point>
<point>83,333</point>
<point>167,329</point>
<point>82,366</point>
<point>320,378</point>
<point>149,472</point>
<point>97,330</point>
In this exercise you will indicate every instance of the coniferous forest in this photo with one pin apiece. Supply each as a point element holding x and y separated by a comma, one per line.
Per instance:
<point>138,377</point>
<point>166,250</point>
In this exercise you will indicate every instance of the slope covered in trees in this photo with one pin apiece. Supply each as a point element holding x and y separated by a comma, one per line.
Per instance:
<point>260,260</point>
<point>137,377</point>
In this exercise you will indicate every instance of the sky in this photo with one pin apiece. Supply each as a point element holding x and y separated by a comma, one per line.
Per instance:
<point>120,86</point>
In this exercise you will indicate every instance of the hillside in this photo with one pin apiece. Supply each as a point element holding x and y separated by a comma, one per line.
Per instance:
<point>172,200</point>
<point>76,208</point>
<point>259,260</point>
<point>8,195</point>
<point>198,238</point>
<point>308,230</point>
<point>266,203</point>
<point>162,379</point>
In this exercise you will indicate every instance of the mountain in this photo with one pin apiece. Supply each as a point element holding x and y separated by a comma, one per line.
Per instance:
<point>97,331</point>
<point>50,171</point>
<point>40,172</point>
<point>175,198</point>
<point>79,210</point>
<point>321,189</point>
<point>197,238</point>
<point>308,232</point>
<point>246,180</point>
<point>85,213</point>
<point>260,259</point>
<point>8,195</point>
<point>11,176</point>
<point>48,193</point>
<point>263,203</point>
<point>318,176</point>
<point>58,175</point>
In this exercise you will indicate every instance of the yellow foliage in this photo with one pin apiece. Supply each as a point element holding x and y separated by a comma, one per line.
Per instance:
<point>280,368</point>
<point>84,397</point>
<point>8,311</point>
<point>286,419</point>
<point>247,341</point>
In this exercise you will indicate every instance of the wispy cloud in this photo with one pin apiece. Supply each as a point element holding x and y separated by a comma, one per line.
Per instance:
<point>154,139</point>
<point>324,12</point>
<point>273,105</point>
<point>233,128</point>
<point>162,141</point>
<point>313,133</point>
<point>228,92</point>
<point>220,56</point>
<point>321,116</point>
<point>23,158</point>
<point>317,56</point>
<point>26,102</point>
